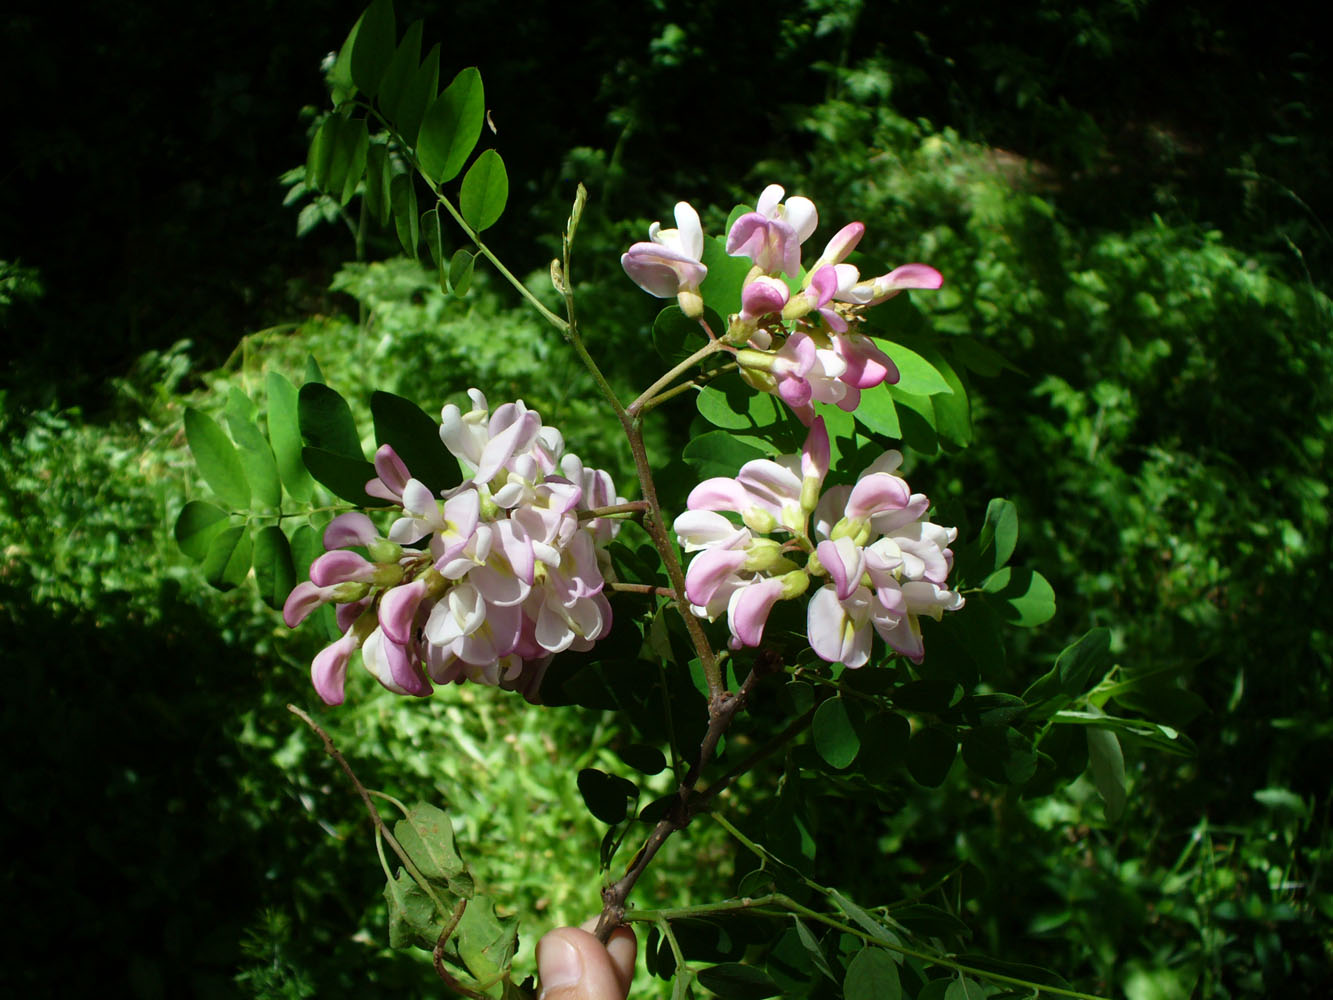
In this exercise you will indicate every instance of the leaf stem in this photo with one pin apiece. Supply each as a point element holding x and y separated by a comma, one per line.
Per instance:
<point>648,395</point>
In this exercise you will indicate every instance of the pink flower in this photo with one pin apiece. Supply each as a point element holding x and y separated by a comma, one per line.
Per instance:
<point>508,574</point>
<point>772,234</point>
<point>671,263</point>
<point>886,286</point>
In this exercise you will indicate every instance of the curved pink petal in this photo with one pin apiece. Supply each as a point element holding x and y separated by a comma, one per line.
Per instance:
<point>709,570</point>
<point>340,566</point>
<point>718,493</point>
<point>845,563</point>
<point>328,671</point>
<point>749,608</point>
<point>867,365</point>
<point>835,635</point>
<point>398,610</point>
<point>843,243</point>
<point>304,599</point>
<point>405,668</point>
<point>762,296</point>
<point>660,271</point>
<point>352,528</point>
<point>875,494</point>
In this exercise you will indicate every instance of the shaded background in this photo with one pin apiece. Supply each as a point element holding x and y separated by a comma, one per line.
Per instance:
<point>1130,202</point>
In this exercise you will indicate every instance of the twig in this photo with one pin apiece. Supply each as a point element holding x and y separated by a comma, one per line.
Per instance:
<point>722,710</point>
<point>412,870</point>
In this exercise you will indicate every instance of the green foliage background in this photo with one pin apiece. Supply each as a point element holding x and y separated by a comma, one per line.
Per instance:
<point>1125,201</point>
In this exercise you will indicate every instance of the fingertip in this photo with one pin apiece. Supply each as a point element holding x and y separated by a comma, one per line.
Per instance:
<point>573,965</point>
<point>624,951</point>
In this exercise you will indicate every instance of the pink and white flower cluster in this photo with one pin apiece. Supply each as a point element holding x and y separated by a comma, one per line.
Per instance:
<point>484,583</point>
<point>877,564</point>
<point>792,334</point>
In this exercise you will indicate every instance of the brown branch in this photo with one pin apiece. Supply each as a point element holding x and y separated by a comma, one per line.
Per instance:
<point>722,709</point>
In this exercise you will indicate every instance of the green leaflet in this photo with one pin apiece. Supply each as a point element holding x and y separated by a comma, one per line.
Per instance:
<point>484,192</point>
<point>451,127</point>
<point>218,461</point>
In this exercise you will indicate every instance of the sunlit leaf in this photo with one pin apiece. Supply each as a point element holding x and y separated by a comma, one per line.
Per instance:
<point>414,919</point>
<point>916,374</point>
<point>1021,596</point>
<point>721,290</point>
<point>877,412</point>
<point>485,943</point>
<point>427,835</point>
<point>256,455</point>
<point>484,192</point>
<point>451,127</point>
<point>217,459</point>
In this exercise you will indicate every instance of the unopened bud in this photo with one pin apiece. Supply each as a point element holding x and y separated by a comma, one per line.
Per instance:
<point>387,576</point>
<point>759,520</point>
<point>691,302</point>
<point>349,593</point>
<point>797,306</point>
<point>756,360</point>
<point>794,584</point>
<point>384,551</point>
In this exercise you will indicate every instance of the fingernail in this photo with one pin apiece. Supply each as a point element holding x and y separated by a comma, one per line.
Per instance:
<point>558,963</point>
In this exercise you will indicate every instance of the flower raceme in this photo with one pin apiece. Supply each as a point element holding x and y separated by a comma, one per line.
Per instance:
<point>485,583</point>
<point>799,345</point>
<point>877,566</point>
